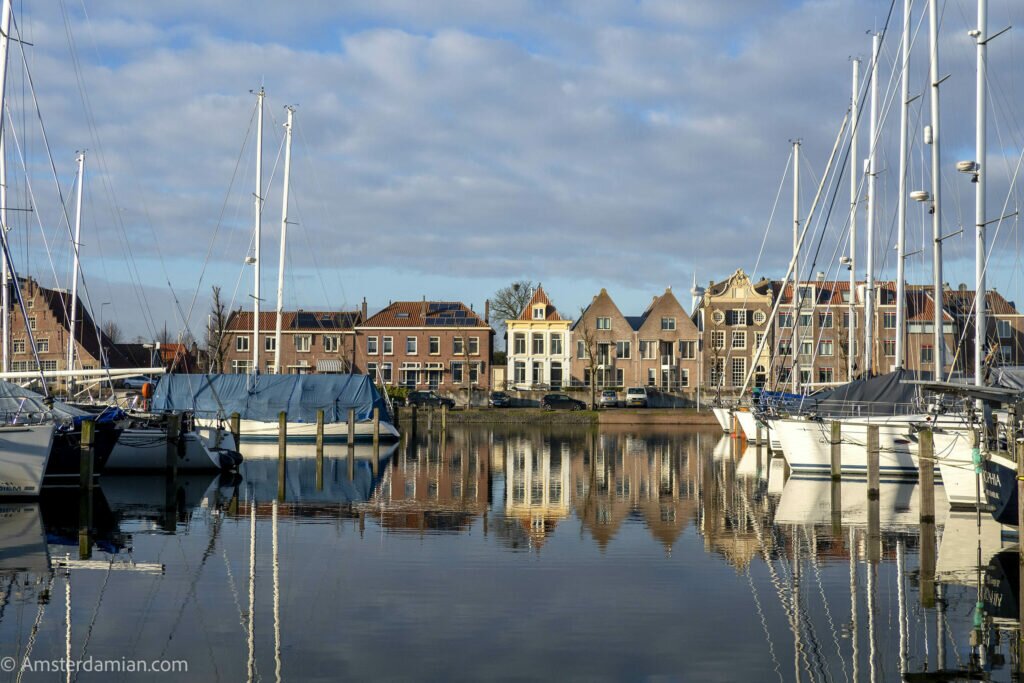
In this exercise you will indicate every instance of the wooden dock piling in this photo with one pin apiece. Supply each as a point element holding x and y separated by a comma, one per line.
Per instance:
<point>351,427</point>
<point>86,457</point>
<point>85,494</point>
<point>444,416</point>
<point>236,430</point>
<point>376,426</point>
<point>836,444</point>
<point>351,463</point>
<point>872,462</point>
<point>173,436</point>
<point>282,453</point>
<point>414,418</point>
<point>926,473</point>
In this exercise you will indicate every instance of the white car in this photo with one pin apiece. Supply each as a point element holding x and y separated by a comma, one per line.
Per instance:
<point>636,397</point>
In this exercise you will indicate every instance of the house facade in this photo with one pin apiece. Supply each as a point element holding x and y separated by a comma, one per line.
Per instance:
<point>311,341</point>
<point>658,348</point>
<point>539,352</point>
<point>441,345</point>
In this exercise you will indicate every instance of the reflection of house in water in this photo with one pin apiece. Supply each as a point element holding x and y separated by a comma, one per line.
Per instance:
<point>622,474</point>
<point>537,485</point>
<point>439,483</point>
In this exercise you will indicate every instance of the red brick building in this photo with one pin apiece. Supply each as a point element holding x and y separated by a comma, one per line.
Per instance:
<point>311,341</point>
<point>440,345</point>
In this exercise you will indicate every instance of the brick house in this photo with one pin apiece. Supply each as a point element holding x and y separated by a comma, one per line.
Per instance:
<point>311,341</point>
<point>538,345</point>
<point>657,348</point>
<point>427,345</point>
<point>733,318</point>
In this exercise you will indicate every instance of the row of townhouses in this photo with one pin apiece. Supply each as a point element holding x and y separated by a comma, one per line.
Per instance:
<point>724,341</point>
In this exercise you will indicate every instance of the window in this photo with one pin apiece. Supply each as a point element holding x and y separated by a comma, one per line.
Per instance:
<point>410,345</point>
<point>519,343</point>
<point>435,346</point>
<point>303,342</point>
<point>806,346</point>
<point>717,371</point>
<point>241,343</point>
<point>332,343</point>
<point>48,365</point>
<point>556,374</point>
<point>241,367</point>
<point>30,303</point>
<point>758,340</point>
<point>739,340</point>
<point>687,350</point>
<point>604,352</point>
<point>668,323</point>
<point>785,320</point>
<point>647,349</point>
<point>760,317</point>
<point>684,377</point>
<point>537,343</point>
<point>389,345</point>
<point>32,326</point>
<point>620,377</point>
<point>889,321</point>
<point>581,349</point>
<point>717,339</point>
<point>371,346</point>
<point>739,371</point>
<point>785,347</point>
<point>43,345</point>
<point>474,372</point>
<point>623,350</point>
<point>458,346</point>
<point>738,317</point>
<point>270,343</point>
<point>604,323</point>
<point>1003,329</point>
<point>18,345</point>
<point>927,355</point>
<point>556,344</point>
<point>825,348</point>
<point>474,346</point>
<point>718,317</point>
<point>385,372</point>
<point>889,346</point>
<point>825,320</point>
<point>457,372</point>
<point>652,377</point>
<point>824,375</point>
<point>846,320</point>
<point>520,372</point>
<point>371,371</point>
<point>805,320</point>
<point>805,376</point>
<point>538,312</point>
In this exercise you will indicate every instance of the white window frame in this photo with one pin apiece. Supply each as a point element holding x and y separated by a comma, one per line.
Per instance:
<point>303,343</point>
<point>371,346</point>
<point>332,343</point>
<point>668,323</point>
<point>388,346</point>
<point>412,346</point>
<point>241,341</point>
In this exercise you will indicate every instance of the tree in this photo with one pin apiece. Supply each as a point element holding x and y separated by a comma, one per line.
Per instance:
<point>588,335</point>
<point>215,332</point>
<point>112,331</point>
<point>508,302</point>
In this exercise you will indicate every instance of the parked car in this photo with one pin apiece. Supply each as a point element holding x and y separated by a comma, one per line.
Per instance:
<point>561,401</point>
<point>428,398</point>
<point>636,397</point>
<point>136,382</point>
<point>608,399</point>
<point>499,399</point>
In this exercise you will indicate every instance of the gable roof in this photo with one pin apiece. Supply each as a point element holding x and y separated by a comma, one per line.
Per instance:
<point>603,294</point>
<point>666,298</point>
<point>315,321</point>
<point>58,304</point>
<point>540,297</point>
<point>440,314</point>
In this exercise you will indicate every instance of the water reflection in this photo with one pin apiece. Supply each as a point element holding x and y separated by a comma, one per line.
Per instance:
<point>515,553</point>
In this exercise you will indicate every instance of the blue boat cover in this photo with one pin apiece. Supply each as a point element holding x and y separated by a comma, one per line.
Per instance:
<point>263,397</point>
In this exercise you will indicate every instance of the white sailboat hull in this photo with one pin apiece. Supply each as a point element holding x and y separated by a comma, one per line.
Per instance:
<point>334,432</point>
<point>146,449</point>
<point>806,445</point>
<point>749,424</point>
<point>24,454</point>
<point>724,418</point>
<point>953,454</point>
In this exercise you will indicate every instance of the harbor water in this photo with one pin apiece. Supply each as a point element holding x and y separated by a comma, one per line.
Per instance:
<point>507,553</point>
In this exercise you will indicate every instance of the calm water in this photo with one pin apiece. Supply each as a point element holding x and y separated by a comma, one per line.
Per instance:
<point>507,553</point>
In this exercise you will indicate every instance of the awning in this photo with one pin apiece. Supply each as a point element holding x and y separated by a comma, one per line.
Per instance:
<point>329,365</point>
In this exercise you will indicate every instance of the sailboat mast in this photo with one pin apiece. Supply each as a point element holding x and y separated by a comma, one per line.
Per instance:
<point>257,230</point>
<point>797,304</point>
<point>933,36</point>
<point>73,303</point>
<point>901,206</point>
<point>5,275</point>
<point>284,238</point>
<point>980,336</point>
<point>869,287</point>
<point>855,169</point>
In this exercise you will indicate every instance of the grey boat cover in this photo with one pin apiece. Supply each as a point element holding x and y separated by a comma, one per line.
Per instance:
<point>263,397</point>
<point>874,396</point>
<point>1008,377</point>
<point>17,401</point>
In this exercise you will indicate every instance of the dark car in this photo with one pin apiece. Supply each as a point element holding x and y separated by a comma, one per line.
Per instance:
<point>561,401</point>
<point>499,399</point>
<point>428,398</point>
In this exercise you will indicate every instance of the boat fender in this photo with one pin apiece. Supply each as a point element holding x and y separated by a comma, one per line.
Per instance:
<point>976,459</point>
<point>147,395</point>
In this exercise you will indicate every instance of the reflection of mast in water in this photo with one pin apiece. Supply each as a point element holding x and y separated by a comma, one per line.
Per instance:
<point>277,595</point>
<point>67,620</point>
<point>252,587</point>
<point>854,625</point>
<point>902,599</point>
<point>872,651</point>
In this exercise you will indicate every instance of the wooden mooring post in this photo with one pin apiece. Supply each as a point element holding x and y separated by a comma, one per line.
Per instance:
<point>444,416</point>
<point>236,430</point>
<point>282,453</point>
<point>320,450</point>
<point>376,426</point>
<point>872,462</point>
<point>430,420</point>
<point>926,473</point>
<point>85,494</point>
<point>173,438</point>
<point>836,444</point>
<point>414,418</point>
<point>351,427</point>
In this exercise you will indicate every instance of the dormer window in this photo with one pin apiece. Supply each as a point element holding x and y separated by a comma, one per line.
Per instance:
<point>538,312</point>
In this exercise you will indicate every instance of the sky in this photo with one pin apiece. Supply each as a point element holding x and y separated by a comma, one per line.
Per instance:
<point>445,149</point>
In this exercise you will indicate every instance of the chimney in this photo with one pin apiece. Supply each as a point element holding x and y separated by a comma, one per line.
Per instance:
<point>487,311</point>
<point>423,307</point>
<point>364,309</point>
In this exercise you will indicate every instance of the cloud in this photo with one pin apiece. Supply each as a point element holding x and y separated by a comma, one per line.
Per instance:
<point>615,142</point>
